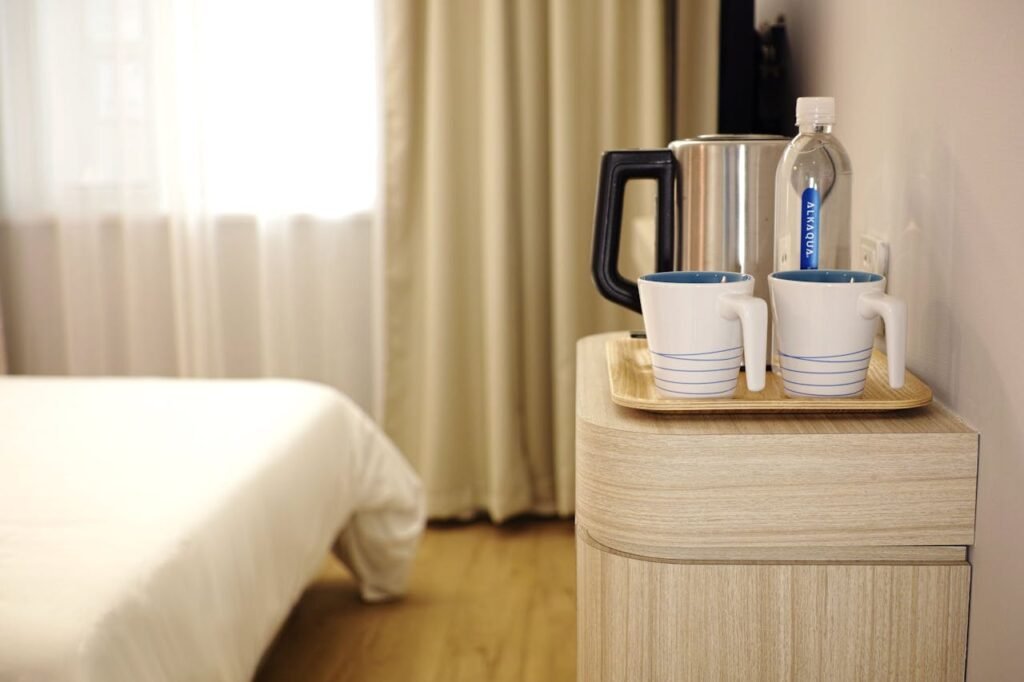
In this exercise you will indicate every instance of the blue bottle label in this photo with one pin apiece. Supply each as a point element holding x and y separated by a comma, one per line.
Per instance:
<point>809,207</point>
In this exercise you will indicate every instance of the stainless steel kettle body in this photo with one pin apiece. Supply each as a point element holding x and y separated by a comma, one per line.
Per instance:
<point>715,209</point>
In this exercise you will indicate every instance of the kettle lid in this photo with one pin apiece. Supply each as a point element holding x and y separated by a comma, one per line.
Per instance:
<point>706,139</point>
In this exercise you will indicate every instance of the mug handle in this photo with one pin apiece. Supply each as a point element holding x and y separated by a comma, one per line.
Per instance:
<point>893,312</point>
<point>752,313</point>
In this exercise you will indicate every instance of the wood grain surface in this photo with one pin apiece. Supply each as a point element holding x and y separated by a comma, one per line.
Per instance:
<point>684,481</point>
<point>594,405</point>
<point>735,491</point>
<point>793,554</point>
<point>668,621</point>
<point>632,385</point>
<point>778,546</point>
<point>485,603</point>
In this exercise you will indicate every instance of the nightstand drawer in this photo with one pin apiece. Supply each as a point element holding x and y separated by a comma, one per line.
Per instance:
<point>776,490</point>
<point>819,546</point>
<point>672,620</point>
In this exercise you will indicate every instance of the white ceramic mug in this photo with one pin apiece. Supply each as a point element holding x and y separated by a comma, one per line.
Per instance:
<point>825,329</point>
<point>700,326</point>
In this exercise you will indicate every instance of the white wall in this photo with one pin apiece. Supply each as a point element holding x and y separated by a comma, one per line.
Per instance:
<point>930,104</point>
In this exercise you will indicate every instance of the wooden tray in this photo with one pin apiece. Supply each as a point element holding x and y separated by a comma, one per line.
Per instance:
<point>632,383</point>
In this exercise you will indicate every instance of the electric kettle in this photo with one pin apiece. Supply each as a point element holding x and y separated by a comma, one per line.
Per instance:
<point>723,187</point>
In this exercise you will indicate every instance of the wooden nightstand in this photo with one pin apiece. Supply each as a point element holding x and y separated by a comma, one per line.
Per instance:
<point>769,547</point>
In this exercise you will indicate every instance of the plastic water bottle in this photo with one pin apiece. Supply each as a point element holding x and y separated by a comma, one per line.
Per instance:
<point>812,197</point>
<point>812,193</point>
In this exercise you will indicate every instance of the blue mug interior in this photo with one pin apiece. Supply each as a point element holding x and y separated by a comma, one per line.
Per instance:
<point>827,276</point>
<point>693,277</point>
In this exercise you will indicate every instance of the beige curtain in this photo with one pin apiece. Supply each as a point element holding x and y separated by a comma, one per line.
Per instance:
<point>3,346</point>
<point>496,115</point>
<point>176,200</point>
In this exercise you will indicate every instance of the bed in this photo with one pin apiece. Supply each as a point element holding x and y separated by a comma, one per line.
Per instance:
<point>162,529</point>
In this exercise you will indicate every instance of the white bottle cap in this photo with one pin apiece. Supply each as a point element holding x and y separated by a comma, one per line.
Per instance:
<point>815,110</point>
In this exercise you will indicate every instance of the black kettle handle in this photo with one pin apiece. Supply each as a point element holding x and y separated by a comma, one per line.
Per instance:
<point>618,168</point>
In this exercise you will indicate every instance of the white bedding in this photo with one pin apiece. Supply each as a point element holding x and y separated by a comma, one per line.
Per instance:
<point>161,529</point>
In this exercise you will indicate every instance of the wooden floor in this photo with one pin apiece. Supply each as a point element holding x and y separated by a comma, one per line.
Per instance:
<point>486,603</point>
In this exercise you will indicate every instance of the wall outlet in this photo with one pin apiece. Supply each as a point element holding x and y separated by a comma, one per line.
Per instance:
<point>873,255</point>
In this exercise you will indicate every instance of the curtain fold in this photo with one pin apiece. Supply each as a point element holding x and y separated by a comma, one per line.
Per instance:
<point>3,345</point>
<point>496,114</point>
<point>246,298</point>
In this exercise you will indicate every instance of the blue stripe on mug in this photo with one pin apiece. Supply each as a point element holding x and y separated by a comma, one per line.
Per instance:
<point>841,371</point>
<point>826,395</point>
<point>704,393</point>
<point>676,357</point>
<point>847,361</point>
<point>701,371</point>
<point>848,383</point>
<point>682,356</point>
<point>828,357</point>
<point>720,381</point>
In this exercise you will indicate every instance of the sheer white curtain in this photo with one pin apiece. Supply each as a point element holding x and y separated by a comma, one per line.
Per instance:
<point>185,187</point>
